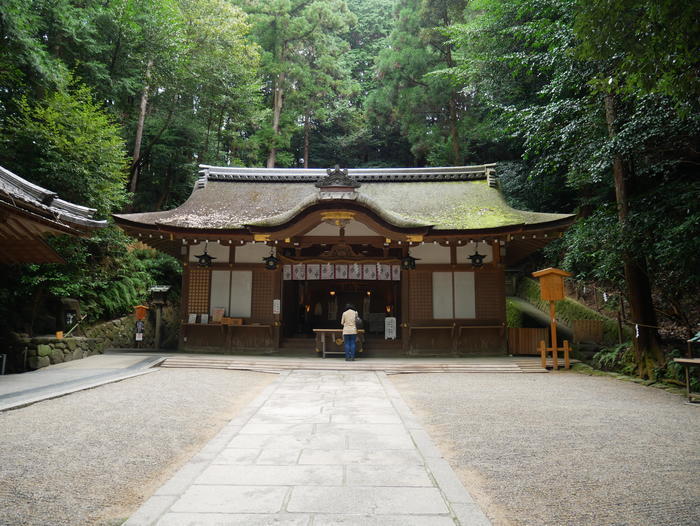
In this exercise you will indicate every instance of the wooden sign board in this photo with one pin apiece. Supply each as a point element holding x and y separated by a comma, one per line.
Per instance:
<point>551,283</point>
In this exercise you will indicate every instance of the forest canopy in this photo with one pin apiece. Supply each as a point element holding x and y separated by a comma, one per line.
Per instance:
<point>590,107</point>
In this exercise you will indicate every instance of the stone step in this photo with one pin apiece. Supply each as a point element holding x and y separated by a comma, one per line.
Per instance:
<point>362,365</point>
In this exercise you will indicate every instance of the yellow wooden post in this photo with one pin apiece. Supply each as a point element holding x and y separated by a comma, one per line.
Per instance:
<point>543,353</point>
<point>552,289</point>
<point>553,326</point>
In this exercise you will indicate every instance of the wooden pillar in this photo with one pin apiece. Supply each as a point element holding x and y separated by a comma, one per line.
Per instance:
<point>184,300</point>
<point>405,311</point>
<point>553,325</point>
<point>277,318</point>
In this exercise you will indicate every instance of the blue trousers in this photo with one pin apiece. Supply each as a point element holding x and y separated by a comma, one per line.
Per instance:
<point>349,340</point>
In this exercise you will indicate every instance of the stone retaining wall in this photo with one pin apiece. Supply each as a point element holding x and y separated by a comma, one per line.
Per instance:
<point>43,351</point>
<point>25,352</point>
<point>120,333</point>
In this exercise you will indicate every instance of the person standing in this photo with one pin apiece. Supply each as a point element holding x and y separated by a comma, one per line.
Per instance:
<point>349,322</point>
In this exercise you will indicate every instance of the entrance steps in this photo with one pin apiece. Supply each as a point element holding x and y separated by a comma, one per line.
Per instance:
<point>276,364</point>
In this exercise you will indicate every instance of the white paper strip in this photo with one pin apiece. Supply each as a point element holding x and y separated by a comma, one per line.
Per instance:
<point>396,272</point>
<point>354,271</point>
<point>300,271</point>
<point>341,271</point>
<point>287,272</point>
<point>313,271</point>
<point>384,272</point>
<point>369,271</point>
<point>327,271</point>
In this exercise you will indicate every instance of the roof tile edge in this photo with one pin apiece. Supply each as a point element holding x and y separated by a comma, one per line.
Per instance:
<point>312,175</point>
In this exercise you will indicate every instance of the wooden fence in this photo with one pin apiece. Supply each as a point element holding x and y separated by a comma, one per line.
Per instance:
<point>525,341</point>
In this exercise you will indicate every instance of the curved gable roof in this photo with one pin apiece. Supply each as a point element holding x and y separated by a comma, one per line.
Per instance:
<point>449,198</point>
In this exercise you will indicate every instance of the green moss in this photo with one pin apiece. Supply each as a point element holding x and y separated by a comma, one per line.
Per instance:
<point>569,310</point>
<point>481,207</point>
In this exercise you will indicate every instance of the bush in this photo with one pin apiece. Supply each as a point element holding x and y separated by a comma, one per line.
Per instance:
<point>569,310</point>
<point>619,358</point>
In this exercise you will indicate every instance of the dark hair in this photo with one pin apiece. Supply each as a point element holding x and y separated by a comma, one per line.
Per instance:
<point>349,306</point>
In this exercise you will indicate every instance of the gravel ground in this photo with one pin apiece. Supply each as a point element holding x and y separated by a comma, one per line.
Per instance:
<point>94,456</point>
<point>564,448</point>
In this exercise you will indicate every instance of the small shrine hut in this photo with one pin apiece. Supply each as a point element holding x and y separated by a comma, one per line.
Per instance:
<point>271,254</point>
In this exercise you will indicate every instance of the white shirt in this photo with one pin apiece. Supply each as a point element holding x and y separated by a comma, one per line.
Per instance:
<point>348,322</point>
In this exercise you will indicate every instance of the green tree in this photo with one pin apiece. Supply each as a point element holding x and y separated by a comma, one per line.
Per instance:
<point>432,111</point>
<point>649,45</point>
<point>68,143</point>
<point>611,146</point>
<point>296,36</point>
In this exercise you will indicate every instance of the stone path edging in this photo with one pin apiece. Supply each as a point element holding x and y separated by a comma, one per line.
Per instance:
<point>467,512</point>
<point>167,494</point>
<point>63,388</point>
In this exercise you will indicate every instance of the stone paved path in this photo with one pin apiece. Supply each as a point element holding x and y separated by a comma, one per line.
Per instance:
<point>317,448</point>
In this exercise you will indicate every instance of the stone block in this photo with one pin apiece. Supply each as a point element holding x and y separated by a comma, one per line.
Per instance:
<point>77,354</point>
<point>72,344</point>
<point>59,345</point>
<point>44,349</point>
<point>56,356</point>
<point>37,362</point>
<point>231,499</point>
<point>32,352</point>
<point>371,501</point>
<point>68,356</point>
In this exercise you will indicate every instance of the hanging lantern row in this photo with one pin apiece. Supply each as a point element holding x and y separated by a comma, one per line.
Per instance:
<point>271,262</point>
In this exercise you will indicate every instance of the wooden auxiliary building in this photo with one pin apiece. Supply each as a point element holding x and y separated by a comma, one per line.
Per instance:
<point>29,213</point>
<point>277,253</point>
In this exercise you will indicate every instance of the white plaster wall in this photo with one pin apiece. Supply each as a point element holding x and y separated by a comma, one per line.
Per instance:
<point>430,253</point>
<point>442,295</point>
<point>252,253</point>
<point>214,249</point>
<point>353,228</point>
<point>240,305</point>
<point>464,251</point>
<point>220,291</point>
<point>465,295</point>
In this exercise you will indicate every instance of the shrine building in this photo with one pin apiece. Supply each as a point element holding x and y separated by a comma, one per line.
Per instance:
<point>271,254</point>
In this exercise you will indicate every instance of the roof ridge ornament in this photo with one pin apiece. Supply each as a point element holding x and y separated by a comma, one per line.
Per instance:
<point>337,178</point>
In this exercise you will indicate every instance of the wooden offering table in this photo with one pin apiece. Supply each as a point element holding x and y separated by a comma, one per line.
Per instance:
<point>688,363</point>
<point>330,341</point>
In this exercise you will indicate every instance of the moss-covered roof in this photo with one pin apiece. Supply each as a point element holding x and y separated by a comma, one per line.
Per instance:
<point>444,200</point>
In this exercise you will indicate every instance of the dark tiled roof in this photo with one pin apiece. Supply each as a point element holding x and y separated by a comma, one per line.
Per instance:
<point>312,175</point>
<point>22,194</point>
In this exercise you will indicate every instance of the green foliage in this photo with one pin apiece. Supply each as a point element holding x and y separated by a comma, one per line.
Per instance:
<point>648,45</point>
<point>69,144</point>
<point>619,358</point>
<point>303,65</point>
<point>103,272</point>
<point>514,316</point>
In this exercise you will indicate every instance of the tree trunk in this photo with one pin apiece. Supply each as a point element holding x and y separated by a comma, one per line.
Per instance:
<point>454,135</point>
<point>306,141</point>
<point>166,188</point>
<point>139,130</point>
<point>277,101</point>
<point>647,345</point>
